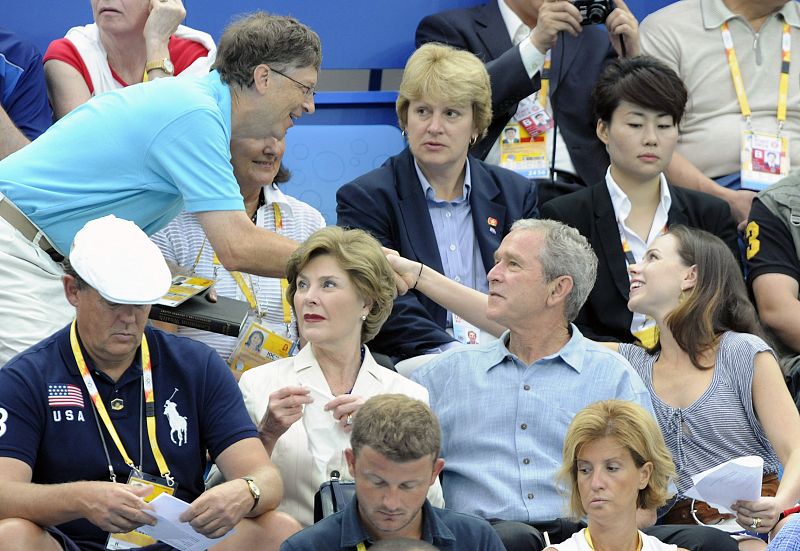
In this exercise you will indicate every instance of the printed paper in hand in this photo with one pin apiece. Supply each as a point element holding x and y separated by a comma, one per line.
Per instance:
<point>172,531</point>
<point>725,484</point>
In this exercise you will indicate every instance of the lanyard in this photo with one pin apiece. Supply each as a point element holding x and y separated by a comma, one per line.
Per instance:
<point>247,289</point>
<point>100,408</point>
<point>361,546</point>
<point>287,312</point>
<point>626,247</point>
<point>544,89</point>
<point>591,546</point>
<point>736,74</point>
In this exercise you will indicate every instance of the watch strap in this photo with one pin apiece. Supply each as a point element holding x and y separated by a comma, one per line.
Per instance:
<point>165,64</point>
<point>254,491</point>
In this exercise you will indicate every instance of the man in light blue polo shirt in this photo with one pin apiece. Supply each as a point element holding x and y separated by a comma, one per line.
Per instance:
<point>505,406</point>
<point>145,153</point>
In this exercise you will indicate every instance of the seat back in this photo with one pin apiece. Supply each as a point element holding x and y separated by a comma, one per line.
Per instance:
<point>323,158</point>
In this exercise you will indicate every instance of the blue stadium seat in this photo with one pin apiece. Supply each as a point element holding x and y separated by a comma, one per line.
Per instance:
<point>324,157</point>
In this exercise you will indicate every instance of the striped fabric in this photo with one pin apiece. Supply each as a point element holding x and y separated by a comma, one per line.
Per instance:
<point>182,238</point>
<point>722,424</point>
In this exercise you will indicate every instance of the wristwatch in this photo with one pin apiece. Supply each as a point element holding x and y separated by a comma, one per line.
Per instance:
<point>163,64</point>
<point>254,491</point>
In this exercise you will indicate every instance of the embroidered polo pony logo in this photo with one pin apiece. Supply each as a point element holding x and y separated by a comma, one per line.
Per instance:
<point>177,422</point>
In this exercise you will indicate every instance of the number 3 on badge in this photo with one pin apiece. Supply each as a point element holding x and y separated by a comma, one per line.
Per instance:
<point>3,419</point>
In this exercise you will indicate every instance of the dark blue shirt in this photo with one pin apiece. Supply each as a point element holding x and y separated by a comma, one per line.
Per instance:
<point>447,530</point>
<point>46,417</point>
<point>23,93</point>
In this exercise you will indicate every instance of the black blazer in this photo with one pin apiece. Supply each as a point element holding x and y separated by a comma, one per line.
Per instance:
<point>605,316</point>
<point>389,203</point>
<point>577,63</point>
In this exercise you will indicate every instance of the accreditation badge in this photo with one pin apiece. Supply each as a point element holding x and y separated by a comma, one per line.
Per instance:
<point>257,345</point>
<point>464,332</point>
<point>765,159</point>
<point>134,540</point>
<point>527,155</point>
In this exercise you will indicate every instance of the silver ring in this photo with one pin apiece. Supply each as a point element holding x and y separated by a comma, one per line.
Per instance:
<point>349,420</point>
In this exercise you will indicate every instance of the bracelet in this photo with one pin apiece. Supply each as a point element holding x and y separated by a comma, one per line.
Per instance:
<point>788,512</point>
<point>421,265</point>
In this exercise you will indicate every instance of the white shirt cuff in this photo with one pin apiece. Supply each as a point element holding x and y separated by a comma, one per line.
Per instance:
<point>532,58</point>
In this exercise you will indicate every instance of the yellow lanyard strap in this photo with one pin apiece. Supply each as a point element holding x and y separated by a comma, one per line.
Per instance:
<point>149,395</point>
<point>247,290</point>
<point>736,73</point>
<point>287,312</point>
<point>544,90</point>
<point>591,546</point>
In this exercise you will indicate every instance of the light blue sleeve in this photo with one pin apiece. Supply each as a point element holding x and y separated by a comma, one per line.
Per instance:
<point>193,152</point>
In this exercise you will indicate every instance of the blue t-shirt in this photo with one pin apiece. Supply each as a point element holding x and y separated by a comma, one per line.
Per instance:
<point>446,530</point>
<point>143,153</point>
<point>23,93</point>
<point>48,423</point>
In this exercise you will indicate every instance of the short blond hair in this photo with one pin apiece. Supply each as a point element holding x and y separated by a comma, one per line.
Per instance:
<point>635,429</point>
<point>398,427</point>
<point>440,72</point>
<point>360,255</point>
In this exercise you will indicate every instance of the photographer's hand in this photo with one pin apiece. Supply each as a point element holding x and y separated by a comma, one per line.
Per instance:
<point>555,16</point>
<point>622,23</point>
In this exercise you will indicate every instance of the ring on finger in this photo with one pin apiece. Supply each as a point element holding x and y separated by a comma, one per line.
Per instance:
<point>349,420</point>
<point>756,523</point>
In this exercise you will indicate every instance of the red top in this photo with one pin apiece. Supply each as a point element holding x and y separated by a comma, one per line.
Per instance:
<point>182,52</point>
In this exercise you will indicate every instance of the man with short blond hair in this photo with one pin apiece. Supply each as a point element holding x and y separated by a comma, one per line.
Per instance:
<point>394,460</point>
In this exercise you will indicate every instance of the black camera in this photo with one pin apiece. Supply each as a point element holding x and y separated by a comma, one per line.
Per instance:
<point>593,12</point>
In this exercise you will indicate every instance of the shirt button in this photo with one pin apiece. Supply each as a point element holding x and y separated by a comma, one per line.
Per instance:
<point>526,461</point>
<point>448,214</point>
<point>452,247</point>
<point>457,279</point>
<point>530,496</point>
<point>524,426</point>
<point>526,387</point>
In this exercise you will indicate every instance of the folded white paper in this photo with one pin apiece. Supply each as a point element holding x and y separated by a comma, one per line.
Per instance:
<point>170,530</point>
<point>326,439</point>
<point>732,481</point>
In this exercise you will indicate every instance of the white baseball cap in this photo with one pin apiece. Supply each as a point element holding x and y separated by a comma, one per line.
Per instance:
<point>119,261</point>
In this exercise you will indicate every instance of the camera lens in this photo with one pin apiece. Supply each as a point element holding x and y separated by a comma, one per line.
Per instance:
<point>597,13</point>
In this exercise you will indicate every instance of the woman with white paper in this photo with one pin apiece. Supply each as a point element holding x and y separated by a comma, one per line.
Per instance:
<point>716,386</point>
<point>341,289</point>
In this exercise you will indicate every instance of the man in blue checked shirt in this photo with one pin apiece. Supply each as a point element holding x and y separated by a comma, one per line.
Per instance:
<point>505,406</point>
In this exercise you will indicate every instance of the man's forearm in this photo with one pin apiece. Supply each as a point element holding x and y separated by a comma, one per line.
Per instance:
<point>268,480</point>
<point>44,504</point>
<point>11,138</point>
<point>683,173</point>
<point>242,247</point>
<point>783,321</point>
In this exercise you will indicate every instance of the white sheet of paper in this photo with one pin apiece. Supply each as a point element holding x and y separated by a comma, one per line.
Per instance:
<point>180,535</point>
<point>326,439</point>
<point>725,484</point>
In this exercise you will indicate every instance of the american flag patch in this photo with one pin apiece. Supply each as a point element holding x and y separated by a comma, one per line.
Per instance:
<point>61,395</point>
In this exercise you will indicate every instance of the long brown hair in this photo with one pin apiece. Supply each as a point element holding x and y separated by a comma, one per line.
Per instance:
<point>717,303</point>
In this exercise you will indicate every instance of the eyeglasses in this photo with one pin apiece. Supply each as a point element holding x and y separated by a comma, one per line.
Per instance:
<point>308,91</point>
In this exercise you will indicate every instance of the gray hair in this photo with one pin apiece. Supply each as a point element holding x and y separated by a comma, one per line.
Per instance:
<point>281,42</point>
<point>565,253</point>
